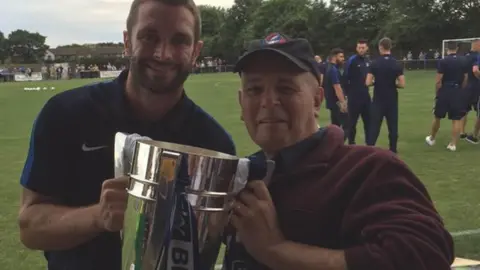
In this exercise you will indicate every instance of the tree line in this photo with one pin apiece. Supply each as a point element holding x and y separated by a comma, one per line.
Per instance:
<point>414,25</point>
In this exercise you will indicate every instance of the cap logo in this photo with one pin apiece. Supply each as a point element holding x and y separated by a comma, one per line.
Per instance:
<point>275,38</point>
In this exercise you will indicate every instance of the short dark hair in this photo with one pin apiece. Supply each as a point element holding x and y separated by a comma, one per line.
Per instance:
<point>385,43</point>
<point>189,4</point>
<point>335,51</point>
<point>362,41</point>
<point>451,46</point>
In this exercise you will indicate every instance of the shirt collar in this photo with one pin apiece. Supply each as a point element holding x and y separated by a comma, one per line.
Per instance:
<point>288,157</point>
<point>172,122</point>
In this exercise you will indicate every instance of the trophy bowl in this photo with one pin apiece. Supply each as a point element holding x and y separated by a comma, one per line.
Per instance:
<point>178,206</point>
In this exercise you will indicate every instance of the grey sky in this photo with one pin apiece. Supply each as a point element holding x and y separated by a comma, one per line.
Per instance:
<point>73,21</point>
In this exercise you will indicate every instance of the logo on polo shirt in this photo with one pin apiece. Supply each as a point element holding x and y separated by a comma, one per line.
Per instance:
<point>275,38</point>
<point>87,148</point>
<point>239,265</point>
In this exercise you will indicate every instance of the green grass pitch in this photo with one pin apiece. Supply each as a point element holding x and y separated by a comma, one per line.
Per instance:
<point>453,179</point>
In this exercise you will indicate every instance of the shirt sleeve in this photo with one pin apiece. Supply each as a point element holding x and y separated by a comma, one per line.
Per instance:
<point>399,70</point>
<point>322,68</point>
<point>334,78</point>
<point>441,67</point>
<point>477,61</point>
<point>394,218</point>
<point>48,163</point>
<point>348,65</point>
<point>373,68</point>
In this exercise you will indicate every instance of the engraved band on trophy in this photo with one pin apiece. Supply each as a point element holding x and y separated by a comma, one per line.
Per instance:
<point>170,180</point>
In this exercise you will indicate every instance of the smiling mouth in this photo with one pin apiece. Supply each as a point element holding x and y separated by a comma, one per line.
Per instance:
<point>272,121</point>
<point>159,68</point>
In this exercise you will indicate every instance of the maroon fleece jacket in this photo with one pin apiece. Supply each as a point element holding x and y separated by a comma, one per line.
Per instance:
<point>365,201</point>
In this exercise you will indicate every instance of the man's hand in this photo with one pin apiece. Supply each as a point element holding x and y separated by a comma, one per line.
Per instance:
<point>255,219</point>
<point>113,203</point>
<point>343,106</point>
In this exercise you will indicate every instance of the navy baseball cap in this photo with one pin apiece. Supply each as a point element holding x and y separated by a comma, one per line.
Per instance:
<point>298,51</point>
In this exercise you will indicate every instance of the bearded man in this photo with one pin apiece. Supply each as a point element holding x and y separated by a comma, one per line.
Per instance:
<point>71,207</point>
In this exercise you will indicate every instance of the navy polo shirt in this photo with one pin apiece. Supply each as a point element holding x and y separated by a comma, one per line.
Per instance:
<point>453,69</point>
<point>472,60</point>
<point>72,152</point>
<point>322,67</point>
<point>332,77</point>
<point>356,70</point>
<point>386,70</point>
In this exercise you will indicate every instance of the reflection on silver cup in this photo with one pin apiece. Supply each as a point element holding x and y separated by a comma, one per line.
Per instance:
<point>193,185</point>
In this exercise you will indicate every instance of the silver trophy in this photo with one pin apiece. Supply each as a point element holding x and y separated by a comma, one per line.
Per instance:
<point>170,180</point>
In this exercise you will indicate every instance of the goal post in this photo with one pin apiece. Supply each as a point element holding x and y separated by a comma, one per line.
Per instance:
<point>464,44</point>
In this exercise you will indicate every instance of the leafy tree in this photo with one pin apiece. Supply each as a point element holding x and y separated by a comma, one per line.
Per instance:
<point>3,48</point>
<point>26,47</point>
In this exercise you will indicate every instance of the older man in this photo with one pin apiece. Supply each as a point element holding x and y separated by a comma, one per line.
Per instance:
<point>328,206</point>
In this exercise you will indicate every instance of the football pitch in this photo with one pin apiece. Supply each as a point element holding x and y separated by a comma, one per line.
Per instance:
<point>452,178</point>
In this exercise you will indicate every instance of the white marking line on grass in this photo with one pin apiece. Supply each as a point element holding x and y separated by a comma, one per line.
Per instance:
<point>465,233</point>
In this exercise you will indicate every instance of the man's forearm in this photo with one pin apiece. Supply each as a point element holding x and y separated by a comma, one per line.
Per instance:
<point>339,94</point>
<point>52,227</point>
<point>293,256</point>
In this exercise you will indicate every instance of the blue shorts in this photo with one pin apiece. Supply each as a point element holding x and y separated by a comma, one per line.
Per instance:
<point>473,98</point>
<point>450,101</point>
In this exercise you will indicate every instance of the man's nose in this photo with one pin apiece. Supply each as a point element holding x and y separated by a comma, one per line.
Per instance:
<point>270,98</point>
<point>163,51</point>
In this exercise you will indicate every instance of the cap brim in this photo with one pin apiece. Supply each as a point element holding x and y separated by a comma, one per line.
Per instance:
<point>244,59</point>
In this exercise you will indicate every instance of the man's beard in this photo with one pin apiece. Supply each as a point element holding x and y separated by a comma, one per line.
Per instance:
<point>157,84</point>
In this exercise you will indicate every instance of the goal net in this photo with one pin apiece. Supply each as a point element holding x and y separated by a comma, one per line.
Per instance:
<point>464,45</point>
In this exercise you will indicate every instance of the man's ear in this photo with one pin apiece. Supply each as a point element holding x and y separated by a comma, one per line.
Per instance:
<point>126,44</point>
<point>197,49</point>
<point>240,96</point>
<point>318,100</point>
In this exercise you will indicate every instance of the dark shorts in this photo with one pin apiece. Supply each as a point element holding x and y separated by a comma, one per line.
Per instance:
<point>473,98</point>
<point>450,101</point>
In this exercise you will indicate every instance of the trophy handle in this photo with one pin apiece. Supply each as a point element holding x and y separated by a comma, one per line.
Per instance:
<point>149,215</point>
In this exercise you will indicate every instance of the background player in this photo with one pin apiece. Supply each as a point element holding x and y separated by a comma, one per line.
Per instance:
<point>451,80</point>
<point>359,99</point>
<point>334,96</point>
<point>388,76</point>
<point>473,89</point>
<point>321,67</point>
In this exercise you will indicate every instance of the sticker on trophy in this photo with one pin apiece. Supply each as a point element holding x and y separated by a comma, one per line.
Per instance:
<point>168,169</point>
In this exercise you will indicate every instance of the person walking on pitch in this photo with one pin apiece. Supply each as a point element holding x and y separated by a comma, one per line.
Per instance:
<point>449,99</point>
<point>473,93</point>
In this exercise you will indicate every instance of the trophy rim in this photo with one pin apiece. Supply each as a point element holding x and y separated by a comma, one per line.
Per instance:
<point>187,149</point>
